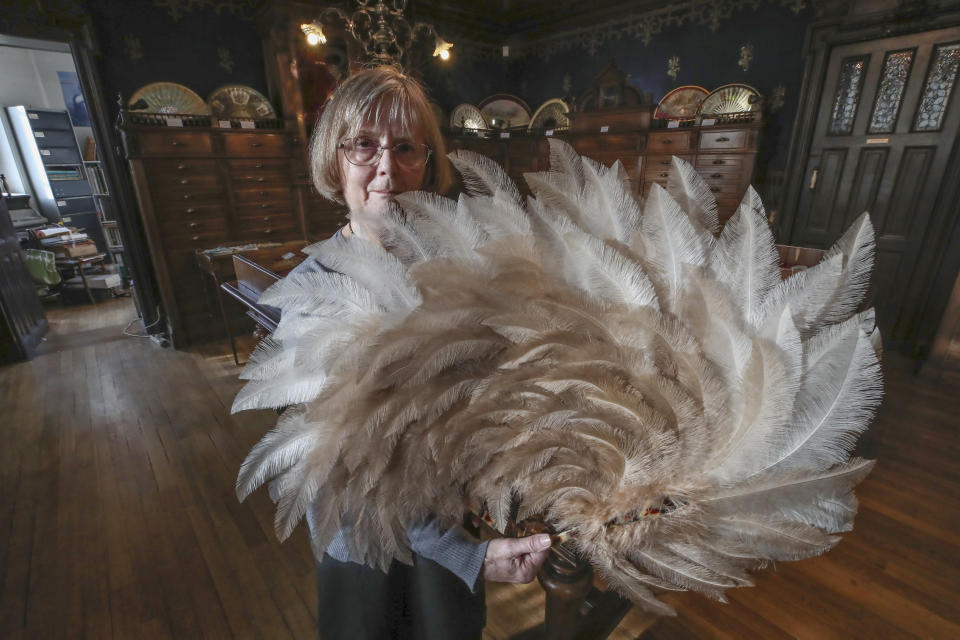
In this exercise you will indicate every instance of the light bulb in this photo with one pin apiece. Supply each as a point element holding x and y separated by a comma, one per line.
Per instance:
<point>313,39</point>
<point>444,55</point>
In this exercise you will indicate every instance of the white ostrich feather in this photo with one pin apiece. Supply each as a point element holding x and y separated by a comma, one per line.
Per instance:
<point>619,371</point>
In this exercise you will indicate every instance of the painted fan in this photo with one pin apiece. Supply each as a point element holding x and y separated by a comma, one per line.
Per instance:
<point>239,101</point>
<point>731,98</point>
<point>467,116</point>
<point>552,114</point>
<point>681,103</point>
<point>169,97</point>
<point>505,111</point>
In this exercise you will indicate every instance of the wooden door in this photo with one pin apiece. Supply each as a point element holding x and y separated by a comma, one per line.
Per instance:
<point>22,323</point>
<point>886,124</point>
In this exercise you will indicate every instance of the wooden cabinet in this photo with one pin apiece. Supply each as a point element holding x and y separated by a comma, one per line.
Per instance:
<point>724,156</point>
<point>201,187</point>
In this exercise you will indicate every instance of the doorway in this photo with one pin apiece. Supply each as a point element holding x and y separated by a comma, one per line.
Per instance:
<point>883,135</point>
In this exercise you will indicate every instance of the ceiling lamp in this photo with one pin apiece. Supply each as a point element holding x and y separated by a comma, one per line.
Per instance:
<point>384,36</point>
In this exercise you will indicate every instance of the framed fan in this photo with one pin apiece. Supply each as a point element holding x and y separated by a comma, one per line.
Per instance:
<point>467,116</point>
<point>168,97</point>
<point>552,114</point>
<point>730,99</point>
<point>505,111</point>
<point>681,103</point>
<point>239,101</point>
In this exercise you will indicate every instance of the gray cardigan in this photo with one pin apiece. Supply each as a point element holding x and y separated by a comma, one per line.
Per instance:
<point>454,549</point>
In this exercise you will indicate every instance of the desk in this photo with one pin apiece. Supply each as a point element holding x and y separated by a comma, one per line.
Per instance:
<point>80,266</point>
<point>276,257</point>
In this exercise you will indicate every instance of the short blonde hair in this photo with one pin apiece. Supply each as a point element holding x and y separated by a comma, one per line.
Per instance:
<point>378,95</point>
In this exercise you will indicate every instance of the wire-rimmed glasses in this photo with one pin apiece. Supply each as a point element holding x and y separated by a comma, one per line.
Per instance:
<point>364,151</point>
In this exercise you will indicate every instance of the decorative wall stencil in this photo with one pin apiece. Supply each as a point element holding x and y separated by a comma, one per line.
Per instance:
<point>893,80</point>
<point>673,67</point>
<point>646,24</point>
<point>225,59</point>
<point>941,76</point>
<point>778,98</point>
<point>176,9</point>
<point>746,57</point>
<point>133,47</point>
<point>847,96</point>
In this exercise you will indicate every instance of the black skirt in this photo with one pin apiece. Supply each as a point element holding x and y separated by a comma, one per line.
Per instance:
<point>420,602</point>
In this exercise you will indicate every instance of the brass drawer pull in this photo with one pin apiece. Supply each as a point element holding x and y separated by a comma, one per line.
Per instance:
<point>261,179</point>
<point>267,231</point>
<point>190,210</point>
<point>195,238</point>
<point>664,162</point>
<point>265,205</point>
<point>185,181</point>
<point>723,139</point>
<point>664,175</point>
<point>666,141</point>
<point>266,218</point>
<point>256,144</point>
<point>175,143</point>
<point>259,165</point>
<point>714,189</point>
<point>719,162</point>
<point>261,193</point>
<point>193,225</point>
<point>181,167</point>
<point>187,196</point>
<point>717,175</point>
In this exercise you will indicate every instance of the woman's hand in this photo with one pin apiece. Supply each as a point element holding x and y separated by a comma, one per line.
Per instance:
<point>515,559</point>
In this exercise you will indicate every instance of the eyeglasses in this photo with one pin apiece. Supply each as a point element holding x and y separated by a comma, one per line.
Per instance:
<point>364,152</point>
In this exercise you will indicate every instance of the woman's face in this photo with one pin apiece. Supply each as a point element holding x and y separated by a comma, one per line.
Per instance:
<point>373,187</point>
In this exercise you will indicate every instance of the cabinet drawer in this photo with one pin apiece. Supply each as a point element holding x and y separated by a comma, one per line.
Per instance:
<point>173,227</point>
<point>261,178</point>
<point>191,211</point>
<point>168,143</point>
<point>196,239</point>
<point>257,165</point>
<point>723,139</point>
<point>189,196</point>
<point>260,229</point>
<point>263,194</point>
<point>160,182</point>
<point>174,169</point>
<point>664,142</point>
<point>605,143</point>
<point>255,209</point>
<point>239,145</point>
<point>732,162</point>
<point>726,190</point>
<point>662,163</point>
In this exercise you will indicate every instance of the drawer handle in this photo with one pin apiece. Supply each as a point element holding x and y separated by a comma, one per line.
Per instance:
<point>256,144</point>
<point>267,231</point>
<point>193,225</point>
<point>667,141</point>
<point>265,205</point>
<point>187,196</point>
<point>664,162</point>
<point>723,139</point>
<point>261,193</point>
<point>175,143</point>
<point>714,189</point>
<point>664,175</point>
<point>266,218</point>
<point>719,162</point>
<point>717,175</point>
<point>181,167</point>
<point>185,181</point>
<point>191,210</point>
<point>261,179</point>
<point>195,238</point>
<point>259,165</point>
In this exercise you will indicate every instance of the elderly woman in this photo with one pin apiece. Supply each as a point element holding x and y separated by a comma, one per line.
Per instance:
<point>377,138</point>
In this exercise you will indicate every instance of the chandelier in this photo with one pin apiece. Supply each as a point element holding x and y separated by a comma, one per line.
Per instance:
<point>384,36</point>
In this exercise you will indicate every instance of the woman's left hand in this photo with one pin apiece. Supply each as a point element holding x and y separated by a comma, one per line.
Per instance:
<point>515,559</point>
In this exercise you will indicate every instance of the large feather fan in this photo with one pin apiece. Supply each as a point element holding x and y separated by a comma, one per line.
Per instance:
<point>622,370</point>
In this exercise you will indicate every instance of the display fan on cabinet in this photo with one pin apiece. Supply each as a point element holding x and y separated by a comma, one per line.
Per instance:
<point>505,111</point>
<point>237,101</point>
<point>168,98</point>
<point>467,116</point>
<point>552,114</point>
<point>731,99</point>
<point>681,103</point>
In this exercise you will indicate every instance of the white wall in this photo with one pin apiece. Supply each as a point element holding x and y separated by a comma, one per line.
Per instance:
<point>29,77</point>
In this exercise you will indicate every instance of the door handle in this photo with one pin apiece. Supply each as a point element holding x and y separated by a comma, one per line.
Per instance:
<point>813,179</point>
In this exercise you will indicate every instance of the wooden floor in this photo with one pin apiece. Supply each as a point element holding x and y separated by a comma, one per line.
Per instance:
<point>118,517</point>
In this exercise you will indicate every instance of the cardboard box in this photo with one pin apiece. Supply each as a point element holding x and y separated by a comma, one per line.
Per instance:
<point>98,281</point>
<point>81,249</point>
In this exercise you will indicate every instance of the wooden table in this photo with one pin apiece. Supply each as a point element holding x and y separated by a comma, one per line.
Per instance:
<point>80,266</point>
